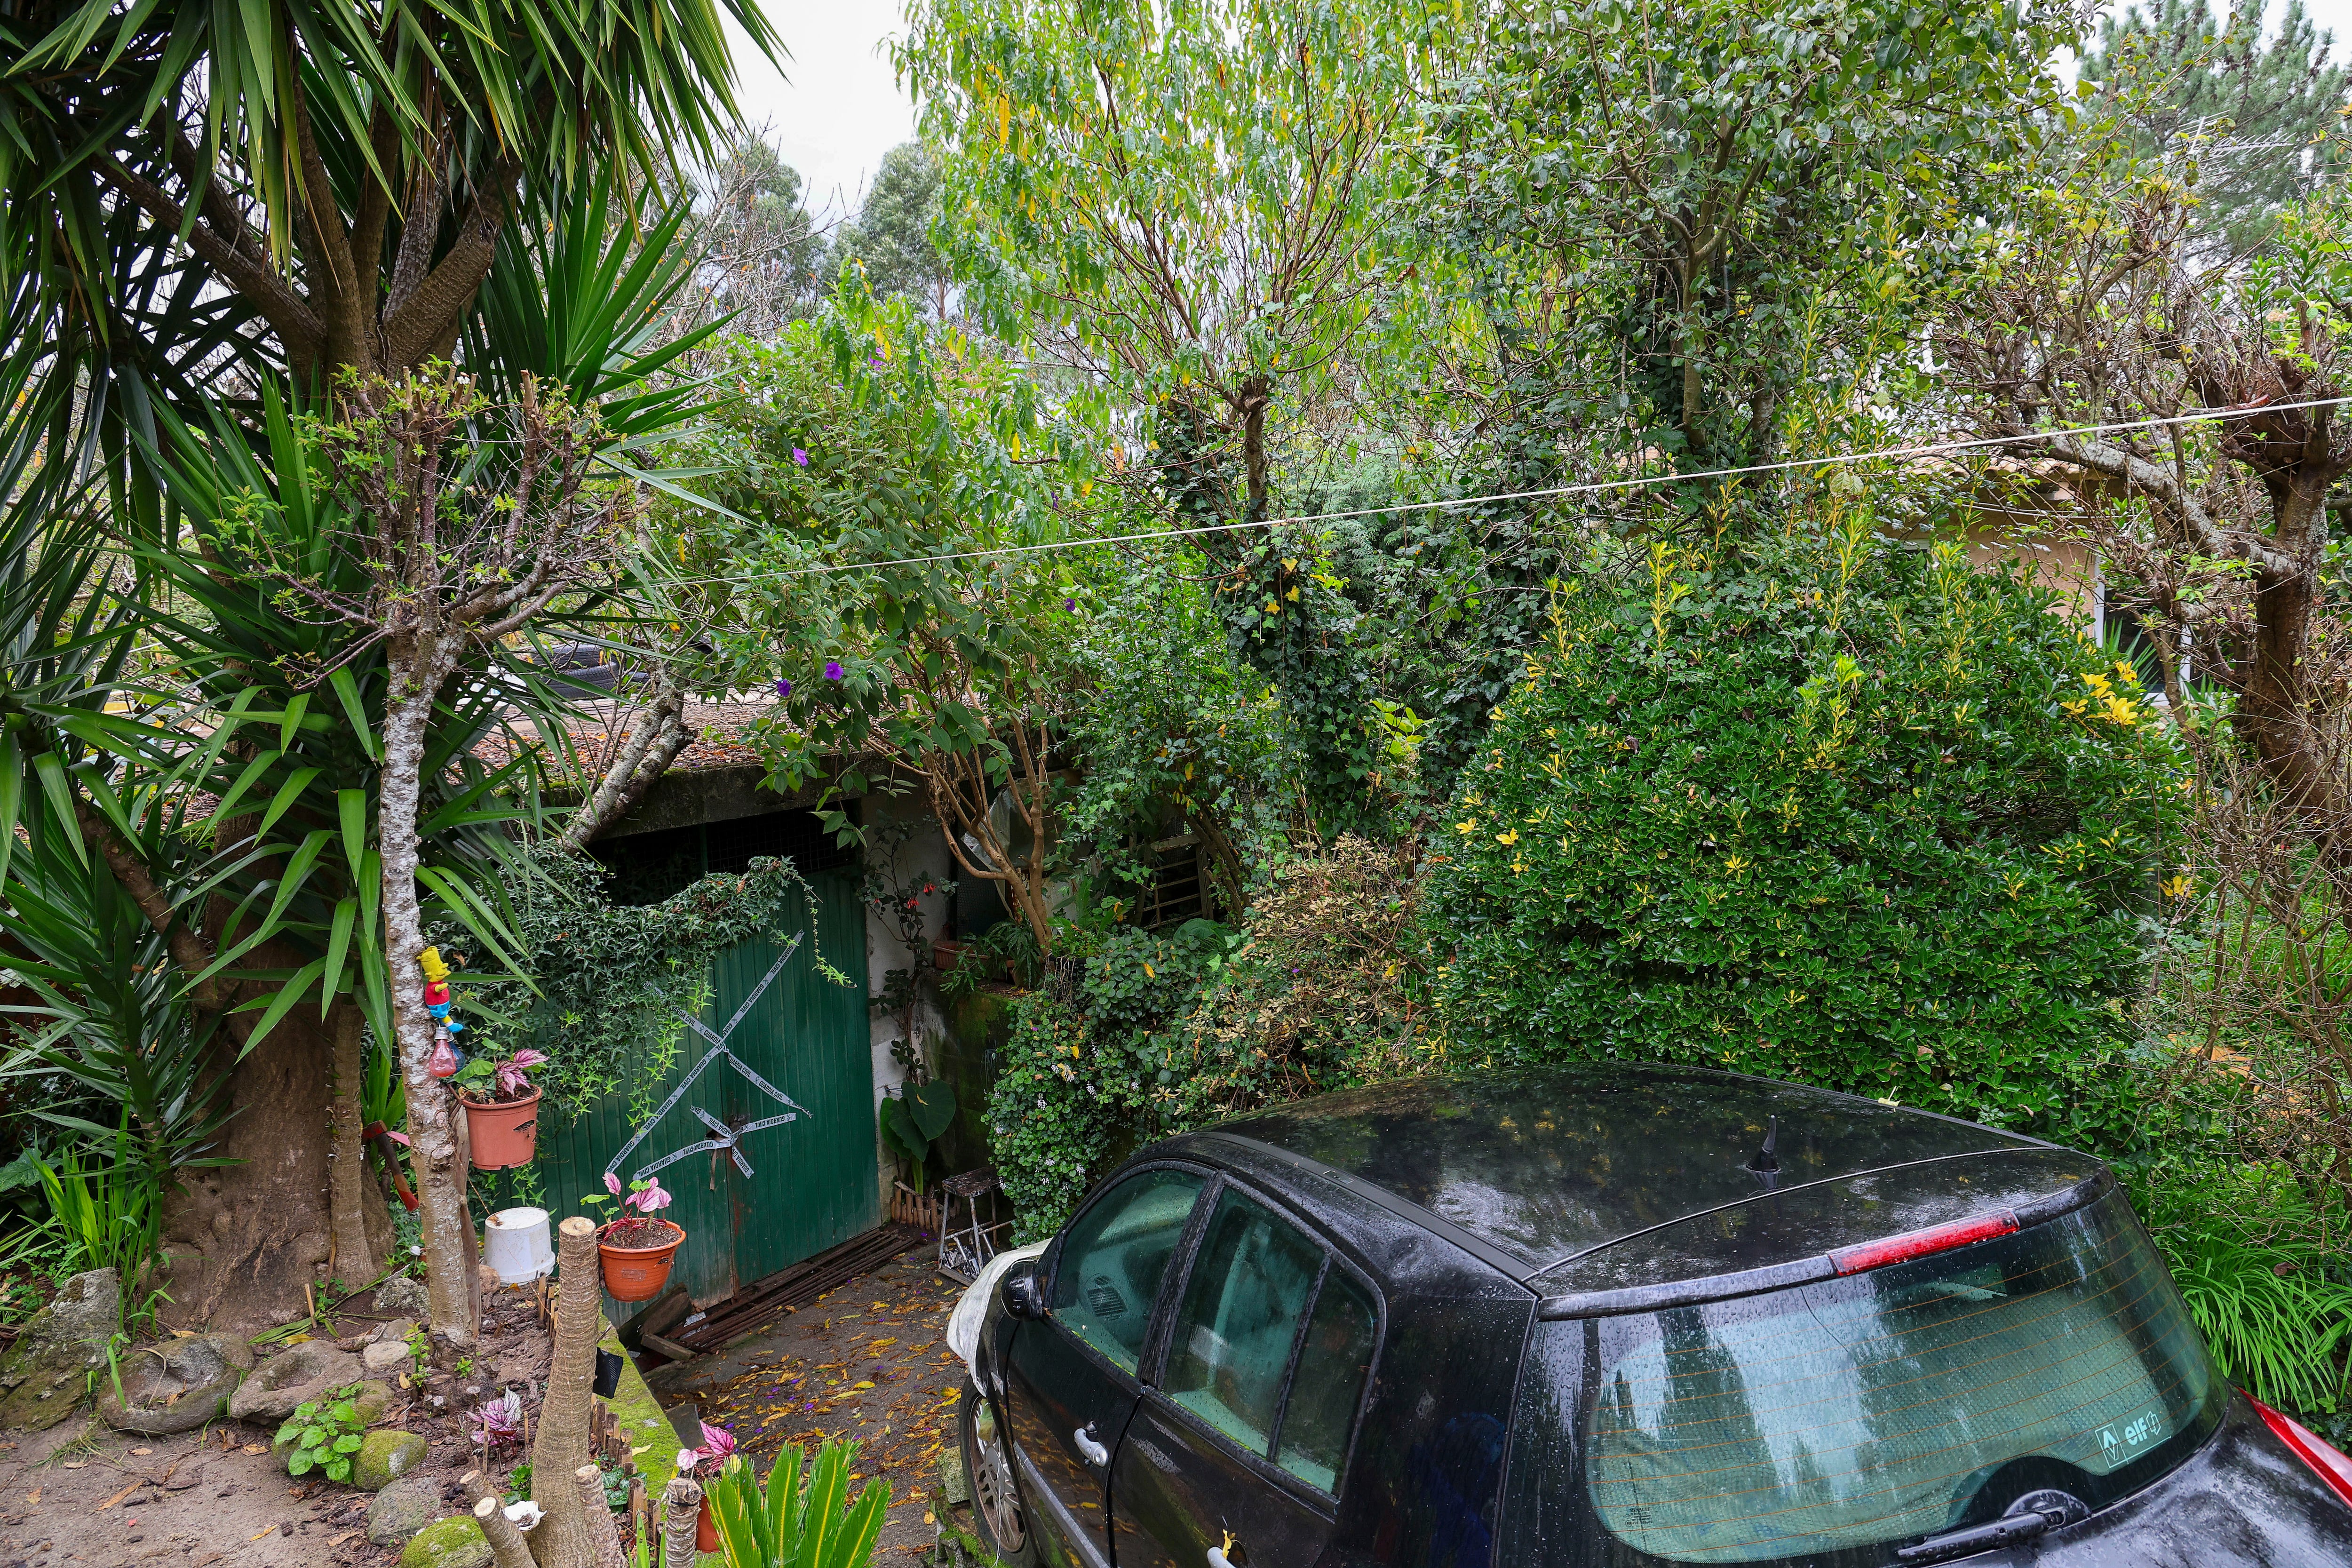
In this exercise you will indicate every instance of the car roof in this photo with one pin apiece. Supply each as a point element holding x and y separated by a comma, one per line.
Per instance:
<point>1532,1168</point>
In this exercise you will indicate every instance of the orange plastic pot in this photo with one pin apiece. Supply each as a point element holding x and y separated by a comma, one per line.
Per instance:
<point>706,1528</point>
<point>637,1273</point>
<point>503,1133</point>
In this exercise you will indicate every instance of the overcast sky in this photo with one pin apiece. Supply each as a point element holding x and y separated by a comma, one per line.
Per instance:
<point>835,108</point>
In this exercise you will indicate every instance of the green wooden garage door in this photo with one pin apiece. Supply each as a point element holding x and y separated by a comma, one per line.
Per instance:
<point>776,1084</point>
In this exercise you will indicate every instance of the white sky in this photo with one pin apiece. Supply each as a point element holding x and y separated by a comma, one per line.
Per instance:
<point>835,108</point>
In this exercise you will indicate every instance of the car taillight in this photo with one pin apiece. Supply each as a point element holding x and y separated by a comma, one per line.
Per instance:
<point>2332,1467</point>
<point>1921,1243</point>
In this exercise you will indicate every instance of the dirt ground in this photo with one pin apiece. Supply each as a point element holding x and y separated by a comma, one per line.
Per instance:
<point>869,1363</point>
<point>84,1494</point>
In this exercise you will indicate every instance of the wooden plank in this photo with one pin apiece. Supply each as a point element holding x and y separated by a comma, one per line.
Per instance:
<point>669,1348</point>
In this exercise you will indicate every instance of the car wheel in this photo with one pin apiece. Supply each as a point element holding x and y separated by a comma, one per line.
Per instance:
<point>988,1472</point>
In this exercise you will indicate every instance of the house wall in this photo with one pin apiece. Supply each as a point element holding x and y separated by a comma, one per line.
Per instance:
<point>923,857</point>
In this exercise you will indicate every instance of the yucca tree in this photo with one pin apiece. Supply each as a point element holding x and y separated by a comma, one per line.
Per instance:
<point>342,172</point>
<point>200,201</point>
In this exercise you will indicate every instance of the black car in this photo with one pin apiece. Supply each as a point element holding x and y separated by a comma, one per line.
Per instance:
<point>1619,1315</point>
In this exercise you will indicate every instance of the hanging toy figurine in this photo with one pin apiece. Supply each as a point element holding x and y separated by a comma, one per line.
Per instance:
<point>443,1060</point>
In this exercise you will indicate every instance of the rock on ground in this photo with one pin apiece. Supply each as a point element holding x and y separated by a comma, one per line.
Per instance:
<point>303,1373</point>
<point>384,1456</point>
<point>402,1509</point>
<point>447,1543</point>
<point>403,1295</point>
<point>384,1356</point>
<point>48,1370</point>
<point>177,1385</point>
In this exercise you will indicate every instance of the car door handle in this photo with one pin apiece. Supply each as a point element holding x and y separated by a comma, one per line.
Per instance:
<point>1094,1452</point>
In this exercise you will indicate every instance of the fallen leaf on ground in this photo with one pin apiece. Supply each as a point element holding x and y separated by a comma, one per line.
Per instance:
<point>143,1451</point>
<point>33,1498</point>
<point>341,1538</point>
<point>73,1464</point>
<point>118,1497</point>
<point>256,1447</point>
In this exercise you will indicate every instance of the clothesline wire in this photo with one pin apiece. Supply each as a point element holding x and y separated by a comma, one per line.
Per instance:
<point>1599,486</point>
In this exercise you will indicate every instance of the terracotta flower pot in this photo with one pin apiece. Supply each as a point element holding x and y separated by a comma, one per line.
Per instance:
<point>706,1528</point>
<point>503,1132</point>
<point>637,1273</point>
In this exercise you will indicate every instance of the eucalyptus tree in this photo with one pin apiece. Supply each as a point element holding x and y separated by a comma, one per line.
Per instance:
<point>1183,202</point>
<point>198,205</point>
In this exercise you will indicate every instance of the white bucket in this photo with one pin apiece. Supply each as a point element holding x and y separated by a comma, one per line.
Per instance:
<point>515,1245</point>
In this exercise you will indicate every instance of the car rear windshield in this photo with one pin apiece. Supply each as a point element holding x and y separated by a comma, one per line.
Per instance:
<point>1831,1422</point>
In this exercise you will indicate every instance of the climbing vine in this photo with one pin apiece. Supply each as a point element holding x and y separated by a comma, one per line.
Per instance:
<point>614,984</point>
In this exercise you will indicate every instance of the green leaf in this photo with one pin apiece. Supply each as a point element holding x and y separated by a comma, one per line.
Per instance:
<point>330,977</point>
<point>349,1443</point>
<point>291,724</point>
<point>350,807</point>
<point>347,692</point>
<point>283,801</point>
<point>300,1462</point>
<point>933,1106</point>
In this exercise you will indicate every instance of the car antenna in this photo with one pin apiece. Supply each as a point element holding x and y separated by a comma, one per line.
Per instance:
<point>1766,1162</point>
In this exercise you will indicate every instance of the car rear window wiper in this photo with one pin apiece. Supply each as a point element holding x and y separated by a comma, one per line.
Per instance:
<point>2029,1517</point>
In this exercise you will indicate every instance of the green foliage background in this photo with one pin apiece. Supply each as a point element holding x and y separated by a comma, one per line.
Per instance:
<point>1885,831</point>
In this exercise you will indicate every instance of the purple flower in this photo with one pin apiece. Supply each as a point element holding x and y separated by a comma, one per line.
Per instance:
<point>832,669</point>
<point>1069,604</point>
<point>800,456</point>
<point>784,689</point>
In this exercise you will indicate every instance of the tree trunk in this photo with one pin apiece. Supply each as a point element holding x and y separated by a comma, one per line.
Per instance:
<point>1257,391</point>
<point>417,671</point>
<point>247,1236</point>
<point>596,1515</point>
<point>359,1246</point>
<point>561,1538</point>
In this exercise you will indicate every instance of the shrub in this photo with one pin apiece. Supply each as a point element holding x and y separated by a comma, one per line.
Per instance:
<point>1882,829</point>
<point>1166,1033</point>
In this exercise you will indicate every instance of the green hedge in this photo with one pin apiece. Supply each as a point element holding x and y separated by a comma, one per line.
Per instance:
<point>1885,832</point>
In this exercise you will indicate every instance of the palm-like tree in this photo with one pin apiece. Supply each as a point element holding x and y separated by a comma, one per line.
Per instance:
<point>203,201</point>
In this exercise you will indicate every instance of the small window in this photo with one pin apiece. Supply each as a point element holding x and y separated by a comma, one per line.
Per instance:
<point>1332,1365</point>
<point>1240,1319</point>
<point>1113,1259</point>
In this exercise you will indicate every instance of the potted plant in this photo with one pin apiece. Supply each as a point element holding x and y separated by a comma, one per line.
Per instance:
<point>636,1250</point>
<point>710,1457</point>
<point>501,1108</point>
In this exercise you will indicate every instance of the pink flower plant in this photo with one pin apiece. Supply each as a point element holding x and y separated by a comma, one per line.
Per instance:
<point>509,1074</point>
<point>718,1446</point>
<point>644,1196</point>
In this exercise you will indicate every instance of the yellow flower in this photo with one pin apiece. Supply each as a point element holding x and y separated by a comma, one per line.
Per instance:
<point>1510,837</point>
<point>1466,827</point>
<point>1735,864</point>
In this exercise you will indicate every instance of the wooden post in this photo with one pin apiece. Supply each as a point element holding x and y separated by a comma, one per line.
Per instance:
<point>681,1512</point>
<point>508,1549</point>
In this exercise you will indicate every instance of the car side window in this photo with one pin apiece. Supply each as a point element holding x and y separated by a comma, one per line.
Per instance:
<point>1234,1334</point>
<point>1333,1361</point>
<point>1113,1257</point>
